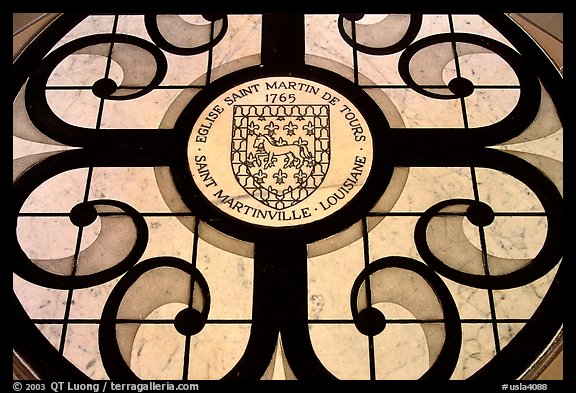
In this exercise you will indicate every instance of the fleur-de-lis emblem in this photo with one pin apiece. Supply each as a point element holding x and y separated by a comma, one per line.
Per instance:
<point>301,142</point>
<point>251,160</point>
<point>309,128</point>
<point>260,176</point>
<point>271,128</point>
<point>289,128</point>
<point>280,176</point>
<point>300,176</point>
<point>252,128</point>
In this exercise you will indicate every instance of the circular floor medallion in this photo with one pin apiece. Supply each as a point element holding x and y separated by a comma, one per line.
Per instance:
<point>261,150</point>
<point>287,196</point>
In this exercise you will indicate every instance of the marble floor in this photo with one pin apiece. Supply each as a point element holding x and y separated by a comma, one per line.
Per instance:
<point>413,231</point>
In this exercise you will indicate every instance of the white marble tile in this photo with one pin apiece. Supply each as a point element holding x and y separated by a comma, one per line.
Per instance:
<point>486,107</point>
<point>380,70</point>
<point>81,348</point>
<point>230,281</point>
<point>58,194</point>
<point>521,302</point>
<point>401,352</point>
<point>419,111</point>
<point>186,70</point>
<point>507,331</point>
<point>83,69</point>
<point>481,67</point>
<point>393,236</point>
<point>151,107</point>
<point>216,350</point>
<point>158,349</point>
<point>509,236</point>
<point>477,349</point>
<point>433,24</point>
<point>158,352</point>
<point>342,350</point>
<point>132,25</point>
<point>47,237</point>
<point>76,107</point>
<point>135,186</point>
<point>472,303</point>
<point>168,236</point>
<point>323,39</point>
<point>330,279</point>
<point>40,302</point>
<point>516,237</point>
<point>87,303</point>
<point>52,333</point>
<point>505,193</point>
<point>447,241</point>
<point>428,186</point>
<point>477,25</point>
<point>246,30</point>
<point>93,24</point>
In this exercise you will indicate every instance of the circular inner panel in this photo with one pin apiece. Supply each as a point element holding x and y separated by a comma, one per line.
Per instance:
<point>280,151</point>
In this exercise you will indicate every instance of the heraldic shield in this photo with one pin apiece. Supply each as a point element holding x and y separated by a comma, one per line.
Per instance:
<point>280,153</point>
